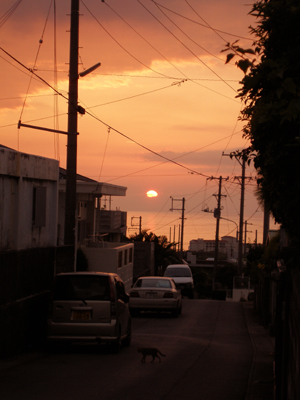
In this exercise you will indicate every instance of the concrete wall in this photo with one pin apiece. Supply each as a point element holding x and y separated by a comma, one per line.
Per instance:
<point>28,223</point>
<point>26,278</point>
<point>28,201</point>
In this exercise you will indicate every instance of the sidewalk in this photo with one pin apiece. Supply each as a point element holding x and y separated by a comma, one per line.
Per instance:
<point>261,379</point>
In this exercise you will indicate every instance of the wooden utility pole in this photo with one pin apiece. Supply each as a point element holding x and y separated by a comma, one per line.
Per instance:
<point>71,201</point>
<point>139,224</point>
<point>182,219</point>
<point>243,165</point>
<point>217,215</point>
<point>240,255</point>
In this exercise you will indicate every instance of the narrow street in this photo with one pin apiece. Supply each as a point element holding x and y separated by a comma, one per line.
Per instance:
<point>209,355</point>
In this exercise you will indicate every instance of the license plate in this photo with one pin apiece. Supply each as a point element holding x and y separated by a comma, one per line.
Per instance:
<point>151,295</point>
<point>81,315</point>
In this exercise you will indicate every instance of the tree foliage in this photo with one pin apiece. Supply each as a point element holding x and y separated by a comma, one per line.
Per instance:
<point>270,91</point>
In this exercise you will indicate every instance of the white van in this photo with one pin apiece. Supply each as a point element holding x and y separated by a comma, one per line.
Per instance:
<point>183,278</point>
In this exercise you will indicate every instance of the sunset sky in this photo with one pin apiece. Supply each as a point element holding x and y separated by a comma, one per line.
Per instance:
<point>163,92</point>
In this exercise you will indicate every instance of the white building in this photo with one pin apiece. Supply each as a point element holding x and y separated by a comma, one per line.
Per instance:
<point>29,199</point>
<point>227,244</point>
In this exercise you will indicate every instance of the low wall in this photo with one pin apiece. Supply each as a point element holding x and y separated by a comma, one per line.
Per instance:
<point>25,281</point>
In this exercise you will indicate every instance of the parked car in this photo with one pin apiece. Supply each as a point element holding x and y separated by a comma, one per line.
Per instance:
<point>152,293</point>
<point>183,277</point>
<point>89,306</point>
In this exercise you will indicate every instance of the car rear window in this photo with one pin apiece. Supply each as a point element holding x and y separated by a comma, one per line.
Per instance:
<point>81,287</point>
<point>178,272</point>
<point>159,283</point>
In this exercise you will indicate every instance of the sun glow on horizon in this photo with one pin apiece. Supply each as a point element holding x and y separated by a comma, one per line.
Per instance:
<point>152,193</point>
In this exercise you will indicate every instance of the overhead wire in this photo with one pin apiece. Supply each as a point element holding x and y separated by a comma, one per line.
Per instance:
<point>36,57</point>
<point>120,45</point>
<point>159,155</point>
<point>142,37</point>
<point>147,148</point>
<point>198,58</point>
<point>181,42</point>
<point>146,66</point>
<point>9,12</point>
<point>205,26</point>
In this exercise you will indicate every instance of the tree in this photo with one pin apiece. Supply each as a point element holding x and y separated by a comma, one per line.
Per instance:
<point>270,91</point>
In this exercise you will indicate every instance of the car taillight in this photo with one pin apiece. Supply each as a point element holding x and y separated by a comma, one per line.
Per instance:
<point>113,310</point>
<point>134,294</point>
<point>168,295</point>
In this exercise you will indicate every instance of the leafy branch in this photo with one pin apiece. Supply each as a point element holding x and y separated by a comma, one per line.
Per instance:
<point>243,63</point>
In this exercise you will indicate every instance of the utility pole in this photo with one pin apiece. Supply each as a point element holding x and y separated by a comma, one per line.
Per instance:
<point>182,219</point>
<point>71,201</point>
<point>245,241</point>
<point>240,256</point>
<point>217,215</point>
<point>243,165</point>
<point>139,225</point>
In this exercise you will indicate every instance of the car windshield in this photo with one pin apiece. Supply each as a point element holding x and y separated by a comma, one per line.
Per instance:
<point>150,283</point>
<point>82,287</point>
<point>178,272</point>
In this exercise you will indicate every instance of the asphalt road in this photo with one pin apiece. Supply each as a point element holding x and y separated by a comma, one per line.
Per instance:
<point>208,352</point>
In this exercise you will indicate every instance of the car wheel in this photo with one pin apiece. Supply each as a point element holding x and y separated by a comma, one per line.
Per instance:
<point>126,342</point>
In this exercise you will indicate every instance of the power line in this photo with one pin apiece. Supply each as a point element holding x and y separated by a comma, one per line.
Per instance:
<point>174,66</point>
<point>180,41</point>
<point>204,26</point>
<point>9,12</point>
<point>147,148</point>
<point>119,44</point>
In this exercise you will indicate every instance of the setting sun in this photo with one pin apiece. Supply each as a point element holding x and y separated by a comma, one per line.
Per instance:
<point>151,193</point>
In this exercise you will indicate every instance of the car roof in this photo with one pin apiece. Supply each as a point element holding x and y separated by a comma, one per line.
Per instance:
<point>178,266</point>
<point>95,273</point>
<point>155,277</point>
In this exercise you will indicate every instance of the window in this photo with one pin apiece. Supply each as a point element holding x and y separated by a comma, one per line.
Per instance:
<point>130,255</point>
<point>39,206</point>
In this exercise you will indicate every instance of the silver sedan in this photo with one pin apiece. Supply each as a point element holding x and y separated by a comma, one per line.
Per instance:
<point>153,293</point>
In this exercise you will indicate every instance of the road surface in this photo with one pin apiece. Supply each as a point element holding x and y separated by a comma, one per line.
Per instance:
<point>208,352</point>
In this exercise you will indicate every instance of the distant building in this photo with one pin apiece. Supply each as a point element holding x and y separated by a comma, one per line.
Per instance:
<point>227,245</point>
<point>96,220</point>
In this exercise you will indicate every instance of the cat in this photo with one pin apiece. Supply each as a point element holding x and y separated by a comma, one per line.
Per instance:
<point>150,351</point>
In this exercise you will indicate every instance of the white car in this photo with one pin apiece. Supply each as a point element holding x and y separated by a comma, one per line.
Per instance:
<point>153,293</point>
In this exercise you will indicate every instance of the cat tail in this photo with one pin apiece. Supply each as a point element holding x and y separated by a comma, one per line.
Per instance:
<point>161,354</point>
